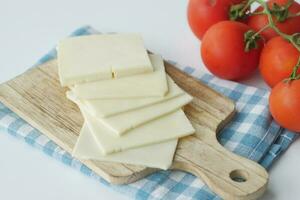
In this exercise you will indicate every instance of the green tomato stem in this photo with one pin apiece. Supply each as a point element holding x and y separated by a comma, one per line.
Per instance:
<point>262,29</point>
<point>272,25</point>
<point>289,3</point>
<point>294,75</point>
<point>247,5</point>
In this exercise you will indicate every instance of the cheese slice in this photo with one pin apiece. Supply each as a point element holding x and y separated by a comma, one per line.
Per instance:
<point>102,56</point>
<point>142,85</point>
<point>170,126</point>
<point>122,123</point>
<point>109,107</point>
<point>156,156</point>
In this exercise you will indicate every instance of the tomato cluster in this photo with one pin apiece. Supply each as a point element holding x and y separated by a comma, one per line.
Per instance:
<point>236,41</point>
<point>289,26</point>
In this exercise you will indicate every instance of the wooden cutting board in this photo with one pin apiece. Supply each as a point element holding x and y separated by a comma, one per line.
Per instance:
<point>38,98</point>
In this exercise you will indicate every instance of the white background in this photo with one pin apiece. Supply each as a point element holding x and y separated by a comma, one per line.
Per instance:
<point>28,29</point>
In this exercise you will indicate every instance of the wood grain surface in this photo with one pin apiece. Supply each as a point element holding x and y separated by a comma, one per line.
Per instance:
<point>38,98</point>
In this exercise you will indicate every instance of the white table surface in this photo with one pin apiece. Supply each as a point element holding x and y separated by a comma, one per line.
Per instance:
<point>30,28</point>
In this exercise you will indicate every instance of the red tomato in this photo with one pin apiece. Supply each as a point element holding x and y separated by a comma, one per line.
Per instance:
<point>223,51</point>
<point>204,13</point>
<point>285,104</point>
<point>277,60</point>
<point>289,26</point>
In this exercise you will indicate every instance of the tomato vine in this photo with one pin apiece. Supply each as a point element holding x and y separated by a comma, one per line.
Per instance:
<point>280,12</point>
<point>294,75</point>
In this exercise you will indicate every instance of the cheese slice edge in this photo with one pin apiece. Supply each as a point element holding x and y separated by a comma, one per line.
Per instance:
<point>110,107</point>
<point>143,85</point>
<point>122,123</point>
<point>101,55</point>
<point>170,126</point>
<point>156,156</point>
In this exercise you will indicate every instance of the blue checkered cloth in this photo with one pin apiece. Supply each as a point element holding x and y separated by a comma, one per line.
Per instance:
<point>252,134</point>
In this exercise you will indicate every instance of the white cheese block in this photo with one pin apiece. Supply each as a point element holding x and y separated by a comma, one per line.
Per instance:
<point>156,156</point>
<point>103,56</point>
<point>109,107</point>
<point>123,122</point>
<point>167,127</point>
<point>142,85</point>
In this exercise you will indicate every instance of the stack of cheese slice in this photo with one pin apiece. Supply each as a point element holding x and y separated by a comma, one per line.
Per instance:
<point>132,109</point>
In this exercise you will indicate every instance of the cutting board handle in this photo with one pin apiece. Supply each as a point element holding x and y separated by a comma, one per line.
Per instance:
<point>227,174</point>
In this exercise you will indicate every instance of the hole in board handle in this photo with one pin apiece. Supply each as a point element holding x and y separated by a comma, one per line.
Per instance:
<point>239,175</point>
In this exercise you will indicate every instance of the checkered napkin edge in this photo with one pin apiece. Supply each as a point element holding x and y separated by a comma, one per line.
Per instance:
<point>252,134</point>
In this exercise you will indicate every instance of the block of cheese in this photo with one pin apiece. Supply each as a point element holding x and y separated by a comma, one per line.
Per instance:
<point>109,107</point>
<point>167,127</point>
<point>103,56</point>
<point>156,156</point>
<point>123,122</point>
<point>141,85</point>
